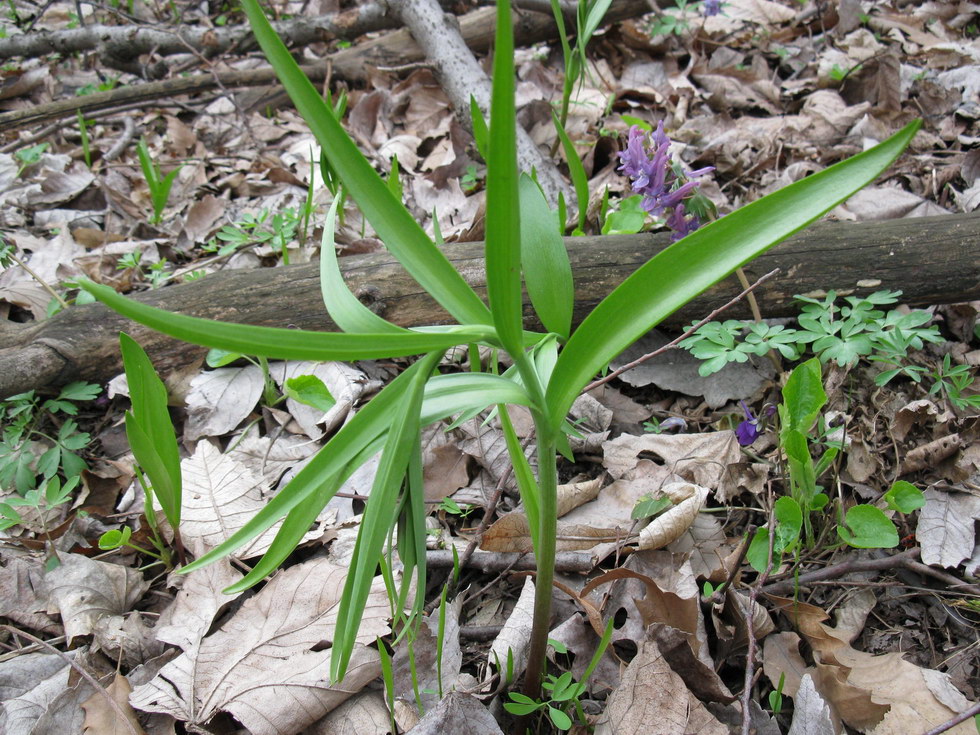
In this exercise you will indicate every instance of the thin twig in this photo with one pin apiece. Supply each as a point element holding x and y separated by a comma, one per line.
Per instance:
<point>82,672</point>
<point>673,343</point>
<point>961,717</point>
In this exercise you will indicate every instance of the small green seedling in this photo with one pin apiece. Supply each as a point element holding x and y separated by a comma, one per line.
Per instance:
<point>776,696</point>
<point>904,497</point>
<point>159,186</point>
<point>951,380</point>
<point>27,157</point>
<point>863,526</point>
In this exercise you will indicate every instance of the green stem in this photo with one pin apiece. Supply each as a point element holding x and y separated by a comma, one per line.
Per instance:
<point>545,556</point>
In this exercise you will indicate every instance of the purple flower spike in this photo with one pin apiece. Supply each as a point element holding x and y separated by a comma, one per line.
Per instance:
<point>653,176</point>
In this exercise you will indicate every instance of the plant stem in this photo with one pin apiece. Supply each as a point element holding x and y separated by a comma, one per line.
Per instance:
<point>545,555</point>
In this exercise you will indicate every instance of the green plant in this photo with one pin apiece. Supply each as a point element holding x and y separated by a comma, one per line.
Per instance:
<point>470,179</point>
<point>39,499</point>
<point>549,369</point>
<point>29,156</point>
<point>951,380</point>
<point>154,443</point>
<point>83,131</point>
<point>159,187</point>
<point>25,418</point>
<point>259,229</point>
<point>840,333</point>
<point>106,85</point>
<point>560,692</point>
<point>862,526</point>
<point>776,695</point>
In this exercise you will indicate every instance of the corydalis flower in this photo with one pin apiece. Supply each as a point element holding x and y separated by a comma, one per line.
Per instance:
<point>653,176</point>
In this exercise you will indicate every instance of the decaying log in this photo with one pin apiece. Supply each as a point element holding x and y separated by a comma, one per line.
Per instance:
<point>934,260</point>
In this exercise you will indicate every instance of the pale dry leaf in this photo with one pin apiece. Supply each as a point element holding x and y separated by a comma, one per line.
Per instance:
<point>444,465</point>
<point>365,713</point>
<point>672,523</point>
<point>219,400</point>
<point>103,719</point>
<point>946,530</point>
<point>31,692</point>
<point>268,665</point>
<point>759,11</point>
<point>515,635</point>
<point>704,545</point>
<point>202,216</point>
<point>811,714</point>
<point>781,661</point>
<point>653,700</point>
<point>22,594</point>
<point>86,591</point>
<point>200,599</point>
<point>271,456</point>
<point>459,714</point>
<point>922,411</point>
<point>700,458</point>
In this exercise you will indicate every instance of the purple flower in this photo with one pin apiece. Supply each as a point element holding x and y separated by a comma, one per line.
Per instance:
<point>711,7</point>
<point>748,431</point>
<point>653,176</point>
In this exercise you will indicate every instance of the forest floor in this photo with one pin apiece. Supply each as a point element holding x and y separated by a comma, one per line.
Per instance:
<point>833,639</point>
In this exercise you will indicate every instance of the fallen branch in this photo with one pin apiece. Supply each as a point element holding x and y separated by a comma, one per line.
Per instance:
<point>934,260</point>
<point>353,64</point>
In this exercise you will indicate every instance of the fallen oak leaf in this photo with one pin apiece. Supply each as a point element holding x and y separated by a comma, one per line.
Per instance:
<point>101,718</point>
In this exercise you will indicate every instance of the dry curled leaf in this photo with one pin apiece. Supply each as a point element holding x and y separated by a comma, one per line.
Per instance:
<point>688,500</point>
<point>101,718</point>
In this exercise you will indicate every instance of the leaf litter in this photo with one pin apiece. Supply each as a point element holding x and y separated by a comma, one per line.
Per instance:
<point>766,92</point>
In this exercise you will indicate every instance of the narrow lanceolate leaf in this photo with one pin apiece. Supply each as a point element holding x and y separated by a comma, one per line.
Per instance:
<point>544,260</point>
<point>447,395</point>
<point>286,344</point>
<point>576,170</point>
<point>380,513</point>
<point>339,456</point>
<point>503,245</point>
<point>396,227</point>
<point>678,274</point>
<point>344,307</point>
<point>150,429</point>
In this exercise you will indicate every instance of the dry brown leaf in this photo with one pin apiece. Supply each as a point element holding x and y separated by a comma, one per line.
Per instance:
<point>101,718</point>
<point>459,714</point>
<point>652,700</point>
<point>946,529</point>
<point>268,665</point>
<point>880,695</point>
<point>363,714</point>
<point>86,591</point>
<point>670,525</point>
<point>196,605</point>
<point>219,400</point>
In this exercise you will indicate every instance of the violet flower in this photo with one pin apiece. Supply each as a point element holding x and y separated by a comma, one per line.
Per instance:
<point>711,7</point>
<point>653,176</point>
<point>748,431</point>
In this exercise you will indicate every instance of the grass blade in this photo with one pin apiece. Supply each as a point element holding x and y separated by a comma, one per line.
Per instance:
<point>576,170</point>
<point>380,513</point>
<point>676,275</point>
<point>395,226</point>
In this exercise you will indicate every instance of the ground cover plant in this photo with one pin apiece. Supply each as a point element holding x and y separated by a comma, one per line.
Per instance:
<point>378,475</point>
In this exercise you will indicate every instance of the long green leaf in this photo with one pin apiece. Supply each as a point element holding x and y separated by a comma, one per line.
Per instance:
<point>348,446</point>
<point>149,428</point>
<point>396,227</point>
<point>286,344</point>
<point>344,308</point>
<point>526,484</point>
<point>380,514</point>
<point>447,395</point>
<point>576,170</point>
<point>544,260</point>
<point>678,274</point>
<point>503,243</point>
